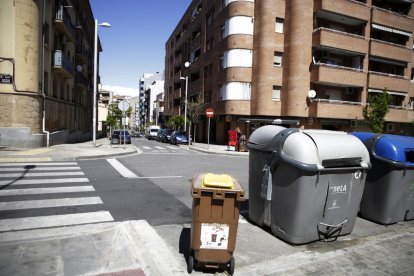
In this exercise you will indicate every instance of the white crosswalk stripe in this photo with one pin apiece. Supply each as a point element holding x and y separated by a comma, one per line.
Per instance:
<point>8,175</point>
<point>158,147</point>
<point>23,208</point>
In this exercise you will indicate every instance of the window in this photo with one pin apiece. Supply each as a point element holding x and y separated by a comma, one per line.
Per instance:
<point>238,58</point>
<point>411,104</point>
<point>209,44</point>
<point>279,25</point>
<point>207,96</point>
<point>235,91</point>
<point>47,34</point>
<point>207,71</point>
<point>221,62</point>
<point>276,93</point>
<point>222,31</point>
<point>238,25</point>
<point>210,17</point>
<point>277,61</point>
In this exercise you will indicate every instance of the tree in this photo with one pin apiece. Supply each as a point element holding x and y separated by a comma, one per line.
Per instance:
<point>176,122</point>
<point>115,115</point>
<point>375,111</point>
<point>194,108</point>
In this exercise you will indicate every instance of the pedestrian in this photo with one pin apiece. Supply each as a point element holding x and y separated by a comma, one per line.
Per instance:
<point>239,134</point>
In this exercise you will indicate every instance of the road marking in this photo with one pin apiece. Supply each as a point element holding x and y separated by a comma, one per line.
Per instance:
<point>39,169</point>
<point>145,147</point>
<point>40,164</point>
<point>54,221</point>
<point>5,175</point>
<point>172,147</point>
<point>121,169</point>
<point>49,203</point>
<point>43,181</point>
<point>158,147</point>
<point>39,191</point>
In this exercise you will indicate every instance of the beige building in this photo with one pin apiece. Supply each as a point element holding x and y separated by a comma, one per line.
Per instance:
<point>46,73</point>
<point>297,63</point>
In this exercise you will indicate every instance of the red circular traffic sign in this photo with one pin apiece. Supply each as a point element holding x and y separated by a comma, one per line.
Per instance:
<point>210,113</point>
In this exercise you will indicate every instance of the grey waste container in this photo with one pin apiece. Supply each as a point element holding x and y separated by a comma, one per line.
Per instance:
<point>306,185</point>
<point>389,191</point>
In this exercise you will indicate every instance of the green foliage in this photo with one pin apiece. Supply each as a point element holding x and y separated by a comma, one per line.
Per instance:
<point>115,115</point>
<point>176,122</point>
<point>374,113</point>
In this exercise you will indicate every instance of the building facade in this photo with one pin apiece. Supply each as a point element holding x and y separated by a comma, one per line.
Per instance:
<point>46,71</point>
<point>150,85</point>
<point>297,63</point>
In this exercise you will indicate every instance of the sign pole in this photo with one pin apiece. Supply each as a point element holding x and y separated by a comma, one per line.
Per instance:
<point>208,135</point>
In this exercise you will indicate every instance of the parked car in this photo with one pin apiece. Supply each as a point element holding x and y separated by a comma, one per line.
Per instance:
<point>159,134</point>
<point>166,136</point>
<point>179,137</point>
<point>115,139</point>
<point>151,132</point>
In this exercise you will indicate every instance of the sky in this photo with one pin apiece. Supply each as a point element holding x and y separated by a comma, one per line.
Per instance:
<point>135,43</point>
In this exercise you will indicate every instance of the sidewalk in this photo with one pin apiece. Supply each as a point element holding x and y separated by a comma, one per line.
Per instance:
<point>67,152</point>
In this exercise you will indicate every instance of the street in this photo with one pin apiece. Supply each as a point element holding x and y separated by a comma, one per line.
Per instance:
<point>155,186</point>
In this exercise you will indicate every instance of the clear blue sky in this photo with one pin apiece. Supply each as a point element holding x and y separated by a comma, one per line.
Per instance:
<point>135,44</point>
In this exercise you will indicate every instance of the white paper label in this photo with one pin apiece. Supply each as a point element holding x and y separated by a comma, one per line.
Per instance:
<point>214,236</point>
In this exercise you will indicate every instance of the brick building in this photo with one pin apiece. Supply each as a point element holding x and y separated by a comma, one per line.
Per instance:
<point>297,63</point>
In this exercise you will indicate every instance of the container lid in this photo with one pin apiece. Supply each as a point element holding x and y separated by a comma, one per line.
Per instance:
<point>261,138</point>
<point>217,181</point>
<point>326,148</point>
<point>396,148</point>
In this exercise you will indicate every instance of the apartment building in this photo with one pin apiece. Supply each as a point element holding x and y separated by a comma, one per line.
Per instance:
<point>150,85</point>
<point>46,71</point>
<point>296,63</point>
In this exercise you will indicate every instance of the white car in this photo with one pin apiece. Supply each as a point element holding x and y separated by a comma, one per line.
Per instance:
<point>151,132</point>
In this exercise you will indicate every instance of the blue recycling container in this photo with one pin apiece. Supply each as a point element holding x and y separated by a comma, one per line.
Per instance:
<point>389,189</point>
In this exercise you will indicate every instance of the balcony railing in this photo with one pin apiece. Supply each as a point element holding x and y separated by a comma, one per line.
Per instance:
<point>60,61</point>
<point>62,15</point>
<point>81,80</point>
<point>335,101</point>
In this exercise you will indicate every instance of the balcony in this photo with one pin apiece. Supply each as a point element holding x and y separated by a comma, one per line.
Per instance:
<point>391,82</point>
<point>341,40</point>
<point>349,8</point>
<point>389,18</point>
<point>82,54</point>
<point>81,81</point>
<point>389,50</point>
<point>333,74</point>
<point>62,22</point>
<point>62,65</point>
<point>399,115</point>
<point>323,108</point>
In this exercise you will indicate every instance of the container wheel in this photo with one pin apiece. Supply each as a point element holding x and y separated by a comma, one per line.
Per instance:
<point>190,264</point>
<point>231,266</point>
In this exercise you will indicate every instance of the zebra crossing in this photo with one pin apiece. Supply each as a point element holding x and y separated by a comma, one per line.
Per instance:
<point>47,194</point>
<point>161,149</point>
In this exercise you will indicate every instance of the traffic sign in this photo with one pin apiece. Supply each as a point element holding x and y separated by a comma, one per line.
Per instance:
<point>210,113</point>
<point>123,105</point>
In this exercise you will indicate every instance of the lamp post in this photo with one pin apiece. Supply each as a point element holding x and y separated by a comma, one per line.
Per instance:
<point>187,64</point>
<point>95,76</point>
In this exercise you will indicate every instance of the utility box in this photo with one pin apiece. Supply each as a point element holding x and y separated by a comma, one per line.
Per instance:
<point>215,217</point>
<point>305,185</point>
<point>389,191</point>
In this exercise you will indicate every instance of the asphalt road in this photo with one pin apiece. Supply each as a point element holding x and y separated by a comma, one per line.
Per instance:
<point>155,186</point>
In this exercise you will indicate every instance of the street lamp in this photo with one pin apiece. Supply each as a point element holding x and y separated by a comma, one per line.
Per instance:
<point>187,64</point>
<point>95,75</point>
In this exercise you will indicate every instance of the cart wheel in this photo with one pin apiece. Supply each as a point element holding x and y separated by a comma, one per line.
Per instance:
<point>232,265</point>
<point>190,264</point>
